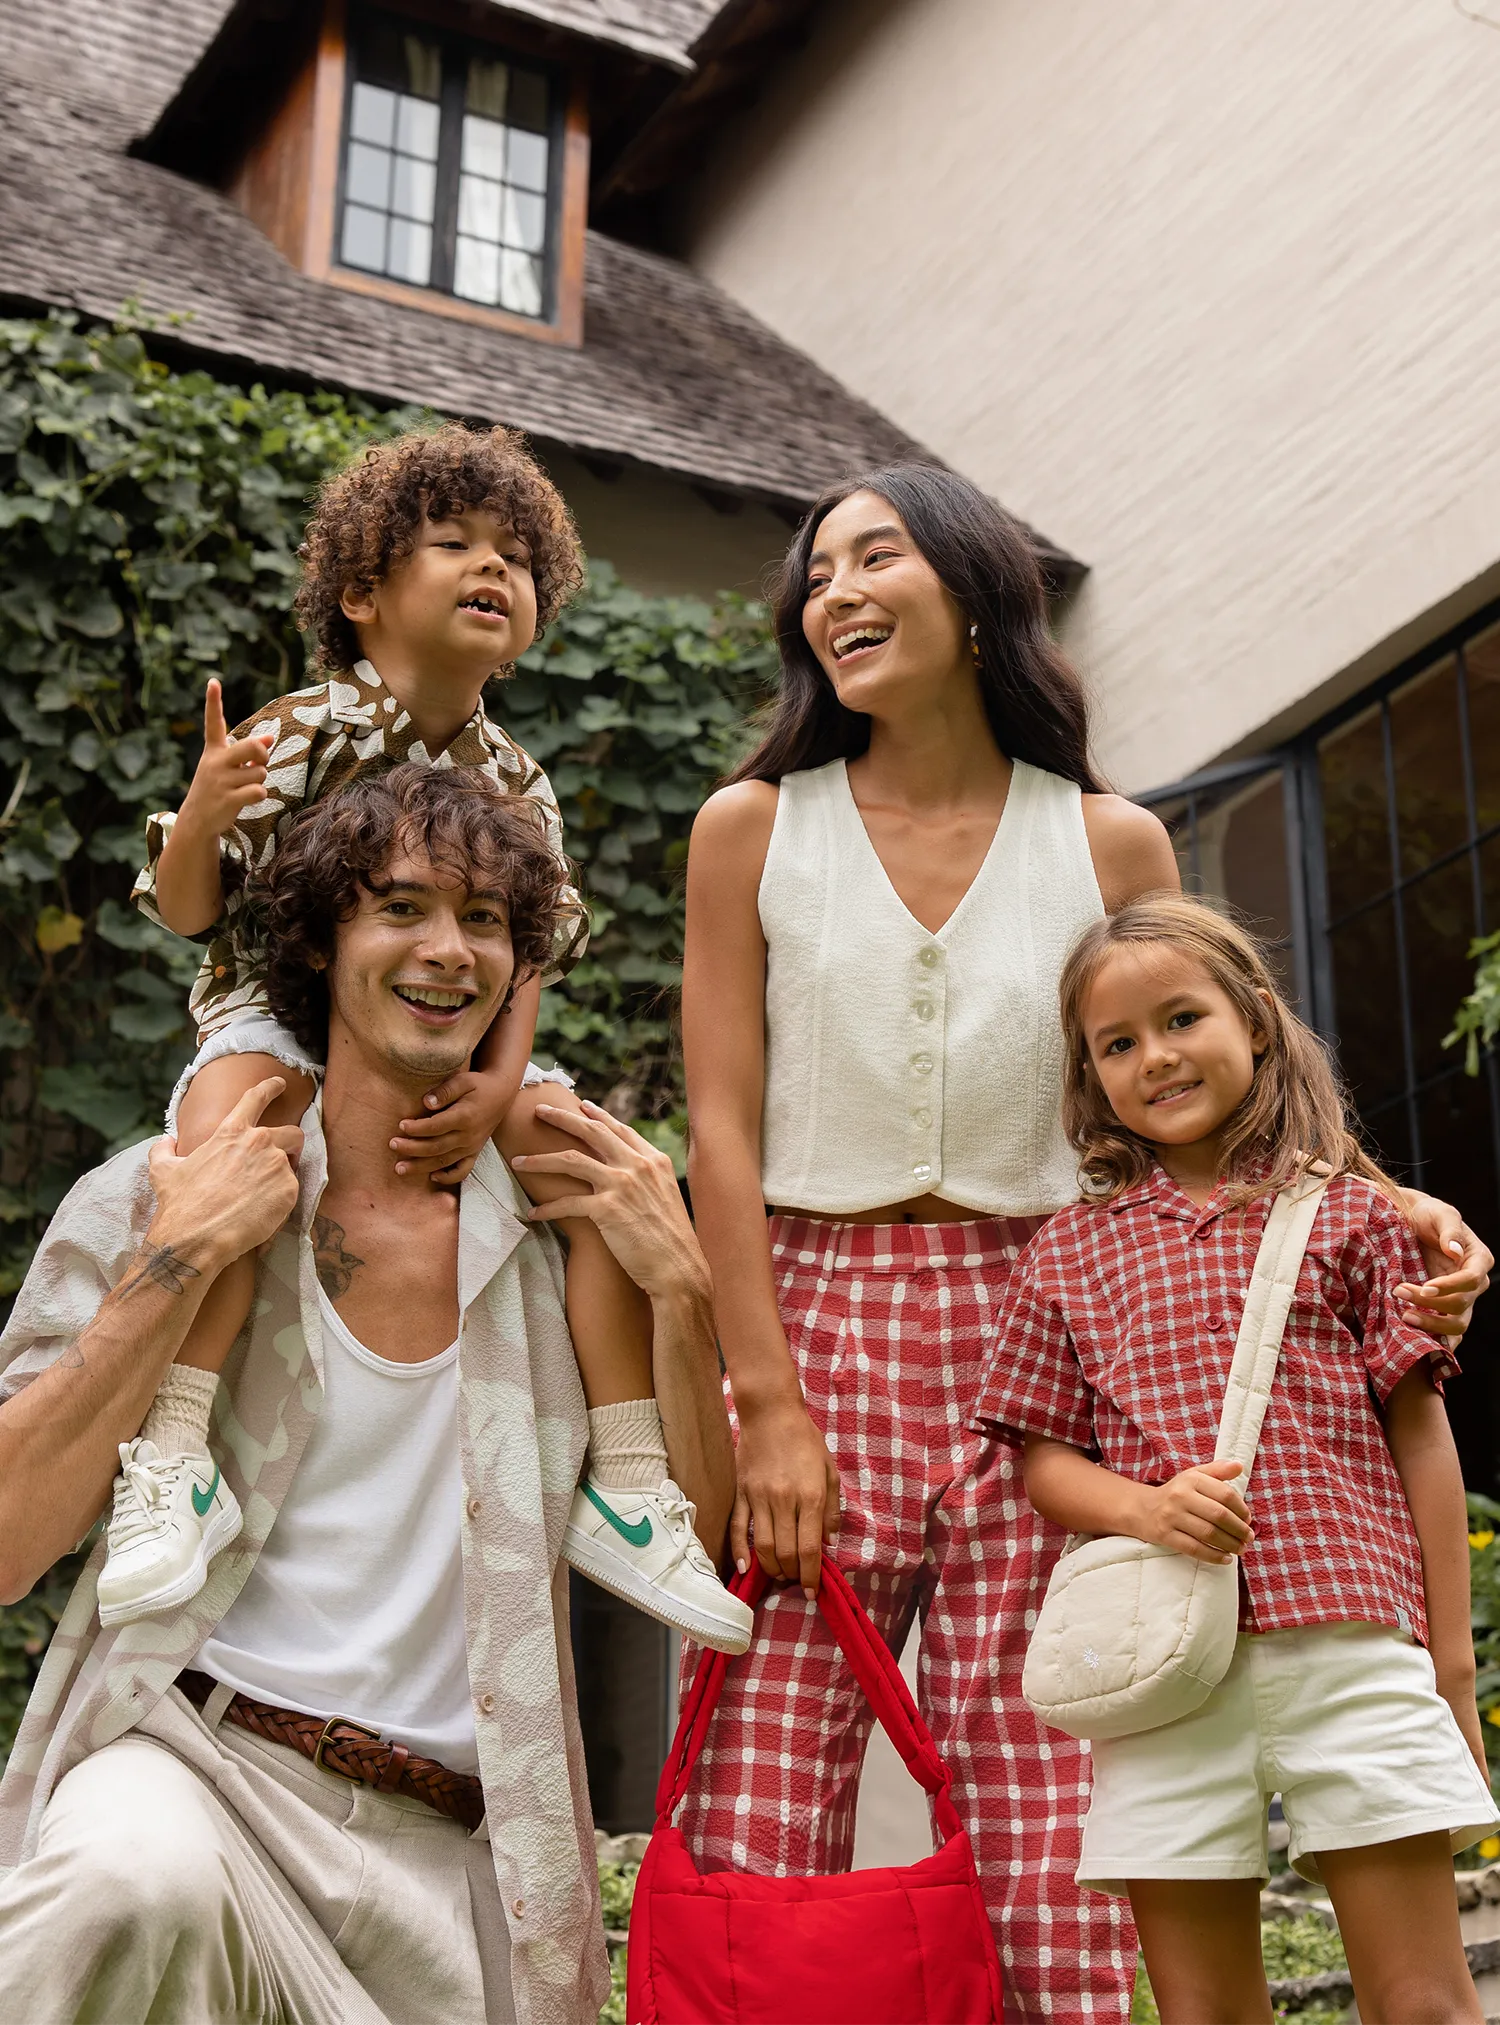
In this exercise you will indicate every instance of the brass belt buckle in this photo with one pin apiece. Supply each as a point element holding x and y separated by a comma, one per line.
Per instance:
<point>348,1723</point>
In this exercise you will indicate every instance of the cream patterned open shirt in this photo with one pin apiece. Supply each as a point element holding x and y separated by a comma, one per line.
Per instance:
<point>321,736</point>
<point>522,1431</point>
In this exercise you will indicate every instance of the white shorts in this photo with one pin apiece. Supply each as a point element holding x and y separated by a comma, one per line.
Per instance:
<point>259,1034</point>
<point>1344,1721</point>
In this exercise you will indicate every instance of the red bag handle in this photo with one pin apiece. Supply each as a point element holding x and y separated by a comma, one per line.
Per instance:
<point>873,1667</point>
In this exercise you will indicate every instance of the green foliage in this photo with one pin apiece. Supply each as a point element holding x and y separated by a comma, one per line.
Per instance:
<point>150,521</point>
<point>1304,1946</point>
<point>24,1633</point>
<point>616,1891</point>
<point>1484,1591</point>
<point>1478,1018</point>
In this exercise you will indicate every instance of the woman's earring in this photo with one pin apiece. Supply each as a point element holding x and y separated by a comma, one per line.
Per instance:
<point>974,644</point>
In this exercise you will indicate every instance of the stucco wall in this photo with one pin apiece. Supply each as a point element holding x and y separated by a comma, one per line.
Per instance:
<point>1209,293</point>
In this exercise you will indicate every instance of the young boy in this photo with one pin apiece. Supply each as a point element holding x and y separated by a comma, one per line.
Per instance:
<point>431,564</point>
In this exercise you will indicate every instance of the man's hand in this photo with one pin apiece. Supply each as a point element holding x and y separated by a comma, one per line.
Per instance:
<point>787,1491</point>
<point>462,1113</point>
<point>223,1199</point>
<point>230,773</point>
<point>630,1191</point>
<point>1199,1513</point>
<point>1459,1262</point>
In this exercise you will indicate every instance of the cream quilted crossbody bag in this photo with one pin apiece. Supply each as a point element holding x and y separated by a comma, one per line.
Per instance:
<point>1130,1635</point>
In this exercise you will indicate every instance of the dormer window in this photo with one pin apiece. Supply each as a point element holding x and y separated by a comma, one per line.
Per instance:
<point>449,169</point>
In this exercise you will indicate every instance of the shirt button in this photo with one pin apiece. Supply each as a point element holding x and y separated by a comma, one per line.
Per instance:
<point>476,1506</point>
<point>518,1907</point>
<point>922,1172</point>
<point>486,1705</point>
<point>922,1064</point>
<point>1214,1322</point>
<point>923,1117</point>
<point>923,1008</point>
<point>928,957</point>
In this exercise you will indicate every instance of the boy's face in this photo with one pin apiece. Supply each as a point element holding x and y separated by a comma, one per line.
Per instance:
<point>463,600</point>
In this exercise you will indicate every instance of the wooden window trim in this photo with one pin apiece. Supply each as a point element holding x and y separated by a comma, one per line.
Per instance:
<point>330,88</point>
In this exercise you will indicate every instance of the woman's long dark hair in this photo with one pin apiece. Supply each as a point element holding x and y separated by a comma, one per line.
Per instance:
<point>985,561</point>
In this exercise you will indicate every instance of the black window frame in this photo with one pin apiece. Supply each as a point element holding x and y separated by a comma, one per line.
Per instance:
<point>455,50</point>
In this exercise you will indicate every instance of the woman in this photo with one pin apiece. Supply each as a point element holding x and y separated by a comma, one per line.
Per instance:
<point>879,905</point>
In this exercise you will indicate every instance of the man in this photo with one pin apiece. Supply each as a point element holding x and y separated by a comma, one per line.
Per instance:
<point>199,1834</point>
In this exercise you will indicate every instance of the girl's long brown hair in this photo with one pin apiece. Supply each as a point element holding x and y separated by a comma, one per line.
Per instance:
<point>1295,1109</point>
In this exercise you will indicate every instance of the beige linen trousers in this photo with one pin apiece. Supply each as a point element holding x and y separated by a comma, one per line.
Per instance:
<point>189,1875</point>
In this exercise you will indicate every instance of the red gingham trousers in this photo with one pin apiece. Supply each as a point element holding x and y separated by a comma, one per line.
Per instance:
<point>887,1325</point>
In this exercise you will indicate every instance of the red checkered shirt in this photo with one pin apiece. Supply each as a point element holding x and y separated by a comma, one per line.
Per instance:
<point>1116,1334</point>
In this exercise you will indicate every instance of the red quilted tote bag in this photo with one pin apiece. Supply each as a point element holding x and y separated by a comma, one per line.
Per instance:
<point>908,1946</point>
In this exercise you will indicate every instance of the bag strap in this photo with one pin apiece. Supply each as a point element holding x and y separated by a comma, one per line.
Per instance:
<point>873,1666</point>
<point>1268,1303</point>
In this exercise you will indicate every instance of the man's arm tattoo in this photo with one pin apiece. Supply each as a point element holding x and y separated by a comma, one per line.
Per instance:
<point>335,1266</point>
<point>160,1266</point>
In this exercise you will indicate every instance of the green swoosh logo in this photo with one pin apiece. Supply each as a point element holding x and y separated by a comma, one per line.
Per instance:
<point>636,1531</point>
<point>203,1499</point>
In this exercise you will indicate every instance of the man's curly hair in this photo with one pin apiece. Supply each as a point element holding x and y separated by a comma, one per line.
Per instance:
<point>340,847</point>
<point>367,517</point>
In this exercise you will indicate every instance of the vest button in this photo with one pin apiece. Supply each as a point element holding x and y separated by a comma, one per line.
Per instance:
<point>922,1064</point>
<point>518,1907</point>
<point>922,1172</point>
<point>476,1506</point>
<point>923,1008</point>
<point>486,1705</point>
<point>922,1115</point>
<point>929,957</point>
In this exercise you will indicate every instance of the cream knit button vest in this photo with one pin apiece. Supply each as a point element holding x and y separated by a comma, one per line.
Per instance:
<point>900,1063</point>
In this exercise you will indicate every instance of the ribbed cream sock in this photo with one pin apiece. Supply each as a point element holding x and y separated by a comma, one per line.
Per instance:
<point>179,1415</point>
<point>627,1449</point>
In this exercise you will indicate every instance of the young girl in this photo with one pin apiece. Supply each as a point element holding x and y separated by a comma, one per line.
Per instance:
<point>1193,1095</point>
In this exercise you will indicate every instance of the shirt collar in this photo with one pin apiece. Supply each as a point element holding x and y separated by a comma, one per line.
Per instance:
<point>1158,1191</point>
<point>360,701</point>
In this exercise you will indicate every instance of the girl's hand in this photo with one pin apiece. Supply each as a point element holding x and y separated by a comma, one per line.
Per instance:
<point>229,776</point>
<point>462,1113</point>
<point>1456,1686</point>
<point>1459,1262</point>
<point>1199,1513</point>
<point>787,1491</point>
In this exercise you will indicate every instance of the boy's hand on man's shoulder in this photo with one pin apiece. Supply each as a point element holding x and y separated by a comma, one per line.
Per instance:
<point>230,774</point>
<point>462,1113</point>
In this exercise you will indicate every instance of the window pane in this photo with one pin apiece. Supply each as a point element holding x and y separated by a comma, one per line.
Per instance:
<point>488,88</point>
<point>479,208</point>
<point>476,270</point>
<point>525,221</point>
<point>417,129</point>
<point>1439,915</point>
<point>1367,1005</point>
<point>528,100</point>
<point>1352,764</point>
<point>1425,739</point>
<point>414,191</point>
<point>1482,666</point>
<point>398,62</point>
<point>1388,1136</point>
<point>411,251</point>
<point>483,147</point>
<point>1458,1144</point>
<point>372,117</point>
<point>521,283</point>
<point>526,162</point>
<point>364,238</point>
<point>369,178</point>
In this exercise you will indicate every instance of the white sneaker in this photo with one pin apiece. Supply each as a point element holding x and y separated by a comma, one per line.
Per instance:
<point>641,1545</point>
<point>172,1515</point>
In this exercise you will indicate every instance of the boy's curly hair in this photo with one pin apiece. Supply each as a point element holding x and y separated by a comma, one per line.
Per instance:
<point>340,847</point>
<point>367,516</point>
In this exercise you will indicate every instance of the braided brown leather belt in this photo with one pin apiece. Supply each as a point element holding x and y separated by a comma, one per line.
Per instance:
<point>352,1750</point>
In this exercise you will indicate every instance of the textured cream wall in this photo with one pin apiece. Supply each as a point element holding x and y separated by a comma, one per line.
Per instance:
<point>1209,292</point>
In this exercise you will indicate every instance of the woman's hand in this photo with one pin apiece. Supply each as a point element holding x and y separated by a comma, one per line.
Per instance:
<point>1199,1513</point>
<point>1455,1684</point>
<point>1458,1261</point>
<point>788,1493</point>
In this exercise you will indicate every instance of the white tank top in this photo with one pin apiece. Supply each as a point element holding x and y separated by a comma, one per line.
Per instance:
<point>355,1605</point>
<point>900,1063</point>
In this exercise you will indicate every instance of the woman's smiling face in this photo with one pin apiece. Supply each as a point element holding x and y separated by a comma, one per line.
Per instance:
<point>876,615</point>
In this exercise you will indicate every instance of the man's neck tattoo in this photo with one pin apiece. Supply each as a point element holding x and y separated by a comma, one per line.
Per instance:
<point>335,1265</point>
<point>157,1266</point>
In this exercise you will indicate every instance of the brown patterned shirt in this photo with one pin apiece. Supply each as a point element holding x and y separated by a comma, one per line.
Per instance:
<point>321,736</point>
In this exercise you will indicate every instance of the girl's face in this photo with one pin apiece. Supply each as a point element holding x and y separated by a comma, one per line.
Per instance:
<point>884,629</point>
<point>1171,1049</point>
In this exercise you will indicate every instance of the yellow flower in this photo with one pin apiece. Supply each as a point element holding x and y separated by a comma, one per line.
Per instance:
<point>56,931</point>
<point>1494,1717</point>
<point>1480,1539</point>
<point>1489,1849</point>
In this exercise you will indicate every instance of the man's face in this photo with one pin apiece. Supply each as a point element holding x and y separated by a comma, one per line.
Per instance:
<point>421,970</point>
<point>464,596</point>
